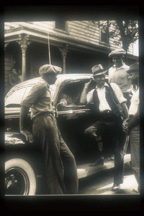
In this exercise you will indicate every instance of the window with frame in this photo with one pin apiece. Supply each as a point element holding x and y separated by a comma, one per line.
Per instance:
<point>71,92</point>
<point>104,36</point>
<point>61,25</point>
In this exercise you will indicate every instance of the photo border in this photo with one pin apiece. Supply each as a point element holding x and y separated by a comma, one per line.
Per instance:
<point>74,202</point>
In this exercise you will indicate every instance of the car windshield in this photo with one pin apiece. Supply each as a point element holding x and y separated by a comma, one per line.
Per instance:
<point>17,94</point>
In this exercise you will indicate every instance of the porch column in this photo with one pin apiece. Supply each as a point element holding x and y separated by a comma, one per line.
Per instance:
<point>23,42</point>
<point>64,52</point>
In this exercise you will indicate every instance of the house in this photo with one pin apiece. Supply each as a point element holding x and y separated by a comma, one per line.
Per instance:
<point>76,46</point>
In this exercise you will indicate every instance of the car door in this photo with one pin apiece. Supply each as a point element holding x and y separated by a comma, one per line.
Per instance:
<point>73,118</point>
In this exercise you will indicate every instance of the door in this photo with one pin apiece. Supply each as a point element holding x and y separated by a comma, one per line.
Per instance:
<point>73,118</point>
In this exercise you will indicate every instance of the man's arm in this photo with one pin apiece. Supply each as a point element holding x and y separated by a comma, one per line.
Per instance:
<point>131,122</point>
<point>119,99</point>
<point>33,95</point>
<point>134,121</point>
<point>23,115</point>
<point>83,98</point>
<point>125,110</point>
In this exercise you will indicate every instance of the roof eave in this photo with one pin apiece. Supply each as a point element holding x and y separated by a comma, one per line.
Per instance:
<point>57,39</point>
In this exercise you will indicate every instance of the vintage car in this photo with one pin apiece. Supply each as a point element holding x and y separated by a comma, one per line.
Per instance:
<point>23,161</point>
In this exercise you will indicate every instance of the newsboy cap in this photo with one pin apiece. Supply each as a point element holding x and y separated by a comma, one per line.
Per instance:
<point>115,52</point>
<point>48,68</point>
<point>133,67</point>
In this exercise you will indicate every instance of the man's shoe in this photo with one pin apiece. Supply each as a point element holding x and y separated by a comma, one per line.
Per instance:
<point>115,187</point>
<point>100,161</point>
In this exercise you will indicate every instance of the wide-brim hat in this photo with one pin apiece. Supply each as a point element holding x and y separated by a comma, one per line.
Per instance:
<point>49,68</point>
<point>133,68</point>
<point>117,52</point>
<point>98,70</point>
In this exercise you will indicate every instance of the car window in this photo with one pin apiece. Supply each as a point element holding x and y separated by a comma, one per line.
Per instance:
<point>71,92</point>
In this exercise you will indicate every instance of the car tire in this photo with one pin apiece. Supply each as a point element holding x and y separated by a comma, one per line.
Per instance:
<point>20,178</point>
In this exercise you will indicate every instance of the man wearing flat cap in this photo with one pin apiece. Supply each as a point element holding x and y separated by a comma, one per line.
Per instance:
<point>104,100</point>
<point>118,73</point>
<point>45,133</point>
<point>131,125</point>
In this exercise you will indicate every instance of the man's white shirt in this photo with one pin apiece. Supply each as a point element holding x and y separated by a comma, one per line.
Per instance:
<point>134,103</point>
<point>103,105</point>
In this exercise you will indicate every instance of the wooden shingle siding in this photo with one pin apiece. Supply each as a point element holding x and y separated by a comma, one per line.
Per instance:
<point>82,31</point>
<point>6,80</point>
<point>78,31</point>
<point>36,25</point>
<point>84,34</point>
<point>112,44</point>
<point>43,25</point>
<point>7,67</point>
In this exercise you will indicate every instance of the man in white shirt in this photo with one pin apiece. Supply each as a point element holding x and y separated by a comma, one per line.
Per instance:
<point>105,100</point>
<point>131,124</point>
<point>118,73</point>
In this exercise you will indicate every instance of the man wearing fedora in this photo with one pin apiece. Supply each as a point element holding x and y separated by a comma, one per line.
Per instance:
<point>118,73</point>
<point>105,101</point>
<point>131,125</point>
<point>59,163</point>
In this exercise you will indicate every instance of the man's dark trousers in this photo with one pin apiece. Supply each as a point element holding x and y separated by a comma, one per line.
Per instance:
<point>59,162</point>
<point>109,125</point>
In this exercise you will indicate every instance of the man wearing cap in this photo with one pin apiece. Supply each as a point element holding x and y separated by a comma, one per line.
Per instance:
<point>118,73</point>
<point>131,124</point>
<point>104,100</point>
<point>56,154</point>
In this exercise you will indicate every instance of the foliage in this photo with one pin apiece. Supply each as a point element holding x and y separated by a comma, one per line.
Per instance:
<point>122,31</point>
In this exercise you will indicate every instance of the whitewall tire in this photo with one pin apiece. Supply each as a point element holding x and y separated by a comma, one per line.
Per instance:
<point>20,178</point>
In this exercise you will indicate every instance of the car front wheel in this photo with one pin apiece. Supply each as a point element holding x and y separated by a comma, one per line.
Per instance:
<point>20,178</point>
